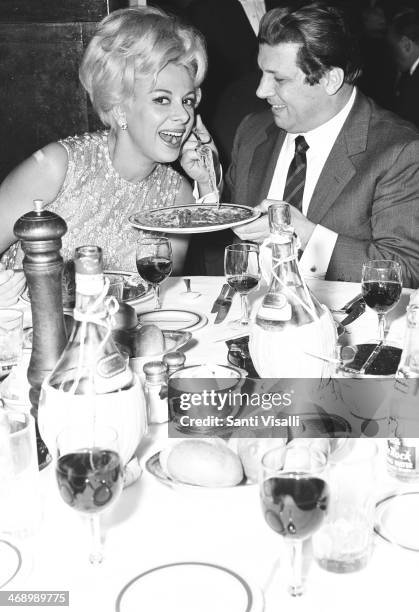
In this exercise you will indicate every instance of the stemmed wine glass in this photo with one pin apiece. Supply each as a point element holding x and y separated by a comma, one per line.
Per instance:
<point>295,497</point>
<point>154,262</point>
<point>381,288</point>
<point>89,474</point>
<point>242,272</point>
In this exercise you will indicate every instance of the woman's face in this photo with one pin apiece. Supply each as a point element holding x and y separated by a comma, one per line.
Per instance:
<point>161,113</point>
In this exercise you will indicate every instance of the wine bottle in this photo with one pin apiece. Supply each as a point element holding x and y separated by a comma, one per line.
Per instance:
<point>92,382</point>
<point>293,335</point>
<point>403,416</point>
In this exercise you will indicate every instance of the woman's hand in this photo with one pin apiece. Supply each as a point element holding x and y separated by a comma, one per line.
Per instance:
<point>12,284</point>
<point>191,161</point>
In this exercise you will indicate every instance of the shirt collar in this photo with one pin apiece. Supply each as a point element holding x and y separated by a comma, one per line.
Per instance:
<point>414,66</point>
<point>328,132</point>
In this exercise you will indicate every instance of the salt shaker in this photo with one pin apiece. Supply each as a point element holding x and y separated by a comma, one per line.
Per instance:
<point>155,389</point>
<point>174,361</point>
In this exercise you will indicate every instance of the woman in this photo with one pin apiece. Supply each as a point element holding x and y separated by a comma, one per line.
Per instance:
<point>142,70</point>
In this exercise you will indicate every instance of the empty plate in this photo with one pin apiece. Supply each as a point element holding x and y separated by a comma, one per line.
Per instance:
<point>397,519</point>
<point>174,319</point>
<point>10,562</point>
<point>188,587</point>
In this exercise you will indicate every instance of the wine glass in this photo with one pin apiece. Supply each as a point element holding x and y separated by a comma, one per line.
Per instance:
<point>381,288</point>
<point>89,474</point>
<point>154,262</point>
<point>11,339</point>
<point>294,496</point>
<point>242,272</point>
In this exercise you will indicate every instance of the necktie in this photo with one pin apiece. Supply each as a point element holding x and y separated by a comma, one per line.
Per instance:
<point>296,177</point>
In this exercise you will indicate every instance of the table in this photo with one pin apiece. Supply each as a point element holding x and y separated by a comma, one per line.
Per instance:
<point>153,524</point>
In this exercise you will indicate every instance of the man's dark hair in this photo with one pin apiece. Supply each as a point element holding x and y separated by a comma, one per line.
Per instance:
<point>324,33</point>
<point>407,24</point>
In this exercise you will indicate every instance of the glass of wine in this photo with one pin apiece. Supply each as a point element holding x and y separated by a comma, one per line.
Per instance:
<point>294,496</point>
<point>154,262</point>
<point>381,288</point>
<point>89,474</point>
<point>242,272</point>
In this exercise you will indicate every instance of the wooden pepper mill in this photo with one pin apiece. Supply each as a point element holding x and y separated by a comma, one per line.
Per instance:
<point>40,232</point>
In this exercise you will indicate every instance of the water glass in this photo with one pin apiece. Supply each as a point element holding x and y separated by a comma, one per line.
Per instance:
<point>11,339</point>
<point>344,543</point>
<point>116,286</point>
<point>20,507</point>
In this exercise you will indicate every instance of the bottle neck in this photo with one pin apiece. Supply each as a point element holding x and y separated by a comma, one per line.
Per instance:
<point>90,293</point>
<point>284,262</point>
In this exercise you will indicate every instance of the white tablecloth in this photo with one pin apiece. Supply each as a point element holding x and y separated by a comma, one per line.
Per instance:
<point>152,524</point>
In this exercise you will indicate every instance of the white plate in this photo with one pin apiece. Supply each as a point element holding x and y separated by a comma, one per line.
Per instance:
<point>145,291</point>
<point>10,562</point>
<point>144,220</point>
<point>189,586</point>
<point>397,519</point>
<point>174,319</point>
<point>144,295</point>
<point>154,467</point>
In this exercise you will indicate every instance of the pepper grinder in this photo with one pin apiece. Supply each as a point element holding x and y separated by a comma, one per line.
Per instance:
<point>40,232</point>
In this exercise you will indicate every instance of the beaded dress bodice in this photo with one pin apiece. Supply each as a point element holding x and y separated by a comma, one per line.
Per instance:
<point>96,202</point>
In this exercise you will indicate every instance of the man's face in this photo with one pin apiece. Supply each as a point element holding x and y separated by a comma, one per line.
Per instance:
<point>297,107</point>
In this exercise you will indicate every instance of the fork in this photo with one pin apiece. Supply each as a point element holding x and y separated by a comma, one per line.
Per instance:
<point>205,153</point>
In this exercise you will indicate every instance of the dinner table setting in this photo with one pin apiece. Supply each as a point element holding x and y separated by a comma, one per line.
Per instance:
<point>178,536</point>
<point>203,517</point>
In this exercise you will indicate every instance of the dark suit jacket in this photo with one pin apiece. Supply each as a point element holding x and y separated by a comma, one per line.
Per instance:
<point>368,191</point>
<point>407,100</point>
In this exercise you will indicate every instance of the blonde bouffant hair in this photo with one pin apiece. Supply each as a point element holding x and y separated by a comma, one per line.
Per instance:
<point>134,42</point>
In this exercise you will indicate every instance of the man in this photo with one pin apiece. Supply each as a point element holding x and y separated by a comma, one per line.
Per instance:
<point>403,37</point>
<point>351,167</point>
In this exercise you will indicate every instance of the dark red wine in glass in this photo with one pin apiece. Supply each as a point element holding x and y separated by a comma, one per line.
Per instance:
<point>381,296</point>
<point>154,269</point>
<point>294,505</point>
<point>89,479</point>
<point>154,262</point>
<point>243,283</point>
<point>381,285</point>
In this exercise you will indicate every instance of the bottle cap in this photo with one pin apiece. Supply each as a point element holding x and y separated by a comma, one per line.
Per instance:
<point>155,371</point>
<point>174,361</point>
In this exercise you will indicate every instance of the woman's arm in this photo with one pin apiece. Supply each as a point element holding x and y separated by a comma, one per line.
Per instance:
<point>180,242</point>
<point>39,177</point>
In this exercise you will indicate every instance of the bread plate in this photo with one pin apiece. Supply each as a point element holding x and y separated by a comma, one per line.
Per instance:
<point>154,467</point>
<point>194,218</point>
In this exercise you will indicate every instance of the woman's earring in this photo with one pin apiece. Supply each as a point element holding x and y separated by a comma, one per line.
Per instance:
<point>123,123</point>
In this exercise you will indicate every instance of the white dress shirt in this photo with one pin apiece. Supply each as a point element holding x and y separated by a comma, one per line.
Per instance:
<point>254,9</point>
<point>316,257</point>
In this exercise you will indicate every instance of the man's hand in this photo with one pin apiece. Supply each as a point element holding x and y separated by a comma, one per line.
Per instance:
<point>258,230</point>
<point>11,286</point>
<point>190,159</point>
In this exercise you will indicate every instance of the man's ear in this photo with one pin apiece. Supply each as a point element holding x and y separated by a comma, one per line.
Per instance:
<point>406,44</point>
<point>333,80</point>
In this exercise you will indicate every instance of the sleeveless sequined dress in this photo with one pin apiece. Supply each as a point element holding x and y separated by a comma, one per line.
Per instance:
<point>96,202</point>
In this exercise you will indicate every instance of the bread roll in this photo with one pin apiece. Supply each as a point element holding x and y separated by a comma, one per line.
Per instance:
<point>201,462</point>
<point>148,341</point>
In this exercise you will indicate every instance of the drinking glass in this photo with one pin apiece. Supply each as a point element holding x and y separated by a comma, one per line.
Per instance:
<point>154,262</point>
<point>242,272</point>
<point>89,474</point>
<point>294,495</point>
<point>381,288</point>
<point>11,339</point>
